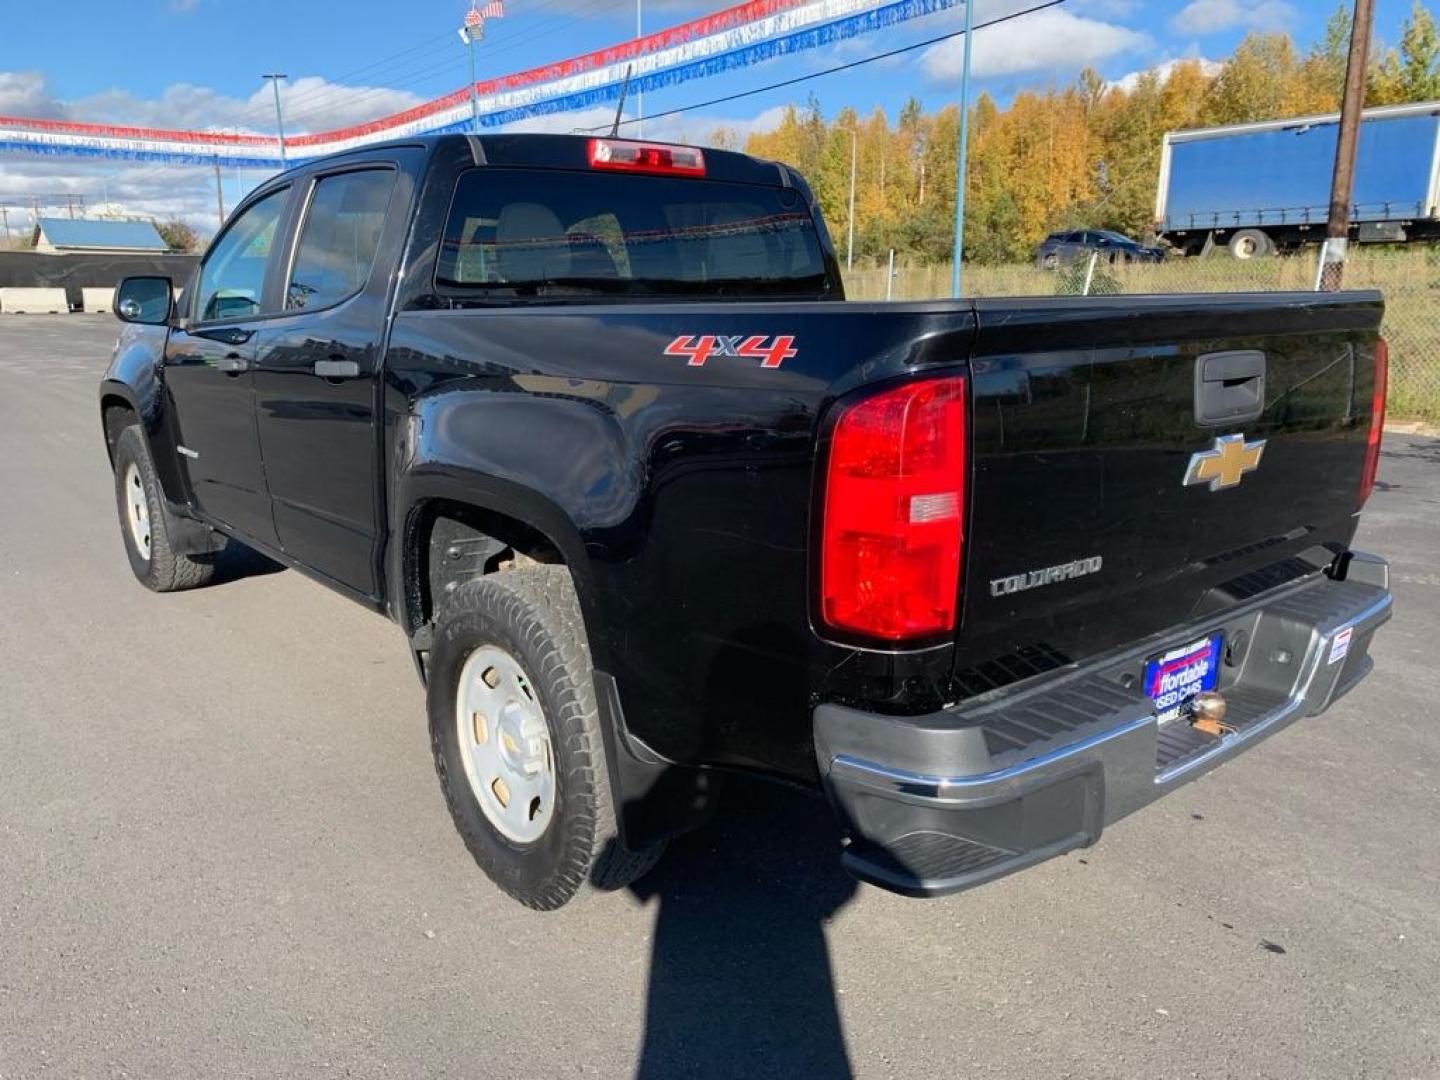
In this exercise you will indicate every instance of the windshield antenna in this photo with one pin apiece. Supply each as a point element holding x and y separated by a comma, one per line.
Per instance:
<point>620,108</point>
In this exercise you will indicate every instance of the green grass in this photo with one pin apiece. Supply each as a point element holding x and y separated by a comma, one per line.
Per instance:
<point>1409,278</point>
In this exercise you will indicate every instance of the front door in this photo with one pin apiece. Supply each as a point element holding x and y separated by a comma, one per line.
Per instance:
<point>208,373</point>
<point>315,379</point>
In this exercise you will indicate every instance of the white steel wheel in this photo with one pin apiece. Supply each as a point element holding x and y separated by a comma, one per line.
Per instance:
<point>505,745</point>
<point>137,510</point>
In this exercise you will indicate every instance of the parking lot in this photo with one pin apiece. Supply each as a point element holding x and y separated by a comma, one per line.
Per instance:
<point>223,852</point>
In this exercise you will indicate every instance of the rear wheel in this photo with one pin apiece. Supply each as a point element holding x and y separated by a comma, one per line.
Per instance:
<point>146,523</point>
<point>516,736</point>
<point>1251,244</point>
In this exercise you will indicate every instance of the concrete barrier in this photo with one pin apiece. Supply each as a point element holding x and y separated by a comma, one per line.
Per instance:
<point>97,301</point>
<point>14,301</point>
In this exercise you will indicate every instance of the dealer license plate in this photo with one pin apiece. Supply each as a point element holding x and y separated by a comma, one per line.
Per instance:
<point>1174,677</point>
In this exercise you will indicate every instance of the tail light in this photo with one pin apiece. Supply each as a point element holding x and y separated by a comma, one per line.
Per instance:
<point>894,500</point>
<point>1377,420</point>
<point>622,155</point>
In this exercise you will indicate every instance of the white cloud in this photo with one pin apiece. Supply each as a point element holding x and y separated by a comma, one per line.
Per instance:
<point>681,128</point>
<point>156,191</point>
<point>1049,40</point>
<point>162,191</point>
<point>310,103</point>
<point>1129,81</point>
<point>1212,16</point>
<point>1105,9</point>
<point>23,93</point>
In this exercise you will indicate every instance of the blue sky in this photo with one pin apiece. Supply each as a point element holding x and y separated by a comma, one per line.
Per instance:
<point>196,63</point>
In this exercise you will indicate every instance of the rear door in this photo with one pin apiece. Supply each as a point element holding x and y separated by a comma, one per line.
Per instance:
<point>1141,460</point>
<point>315,374</point>
<point>208,369</point>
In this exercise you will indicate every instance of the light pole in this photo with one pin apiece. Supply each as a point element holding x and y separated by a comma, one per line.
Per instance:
<point>471,32</point>
<point>850,242</point>
<point>639,95</point>
<point>279,119</point>
<point>219,194</point>
<point>964,147</point>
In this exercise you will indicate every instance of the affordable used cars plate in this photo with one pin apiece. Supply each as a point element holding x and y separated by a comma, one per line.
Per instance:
<point>1174,677</point>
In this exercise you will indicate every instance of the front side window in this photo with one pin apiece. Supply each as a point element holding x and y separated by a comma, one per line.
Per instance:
<point>521,233</point>
<point>340,238</point>
<point>232,281</point>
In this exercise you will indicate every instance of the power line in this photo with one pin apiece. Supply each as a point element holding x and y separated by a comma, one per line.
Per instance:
<point>837,68</point>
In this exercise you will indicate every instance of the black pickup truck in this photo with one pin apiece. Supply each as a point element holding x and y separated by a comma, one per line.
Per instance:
<point>591,421</point>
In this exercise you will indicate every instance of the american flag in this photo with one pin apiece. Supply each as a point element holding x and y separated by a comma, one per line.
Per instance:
<point>494,9</point>
<point>474,19</point>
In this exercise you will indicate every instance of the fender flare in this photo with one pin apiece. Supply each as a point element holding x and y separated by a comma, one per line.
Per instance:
<point>418,490</point>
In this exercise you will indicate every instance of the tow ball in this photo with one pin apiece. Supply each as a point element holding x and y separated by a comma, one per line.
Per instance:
<point>1207,714</point>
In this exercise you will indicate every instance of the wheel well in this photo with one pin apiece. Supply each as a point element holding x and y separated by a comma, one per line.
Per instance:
<point>116,415</point>
<point>452,543</point>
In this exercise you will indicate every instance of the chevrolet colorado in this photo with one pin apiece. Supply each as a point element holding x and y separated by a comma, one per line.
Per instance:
<point>590,420</point>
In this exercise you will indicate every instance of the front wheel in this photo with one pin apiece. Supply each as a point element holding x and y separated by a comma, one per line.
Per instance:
<point>515,731</point>
<point>145,522</point>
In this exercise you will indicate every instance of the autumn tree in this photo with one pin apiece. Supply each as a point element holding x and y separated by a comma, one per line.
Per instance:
<point>1412,72</point>
<point>1086,155</point>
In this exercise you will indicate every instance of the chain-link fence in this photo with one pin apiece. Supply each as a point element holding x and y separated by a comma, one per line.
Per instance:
<point>1408,278</point>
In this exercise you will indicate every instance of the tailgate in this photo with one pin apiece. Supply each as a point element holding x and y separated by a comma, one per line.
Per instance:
<point>1088,416</point>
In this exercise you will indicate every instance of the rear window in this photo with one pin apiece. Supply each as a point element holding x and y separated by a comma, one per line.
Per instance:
<point>516,233</point>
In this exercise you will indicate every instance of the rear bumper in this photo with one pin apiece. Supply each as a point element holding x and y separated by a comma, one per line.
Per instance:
<point>939,803</point>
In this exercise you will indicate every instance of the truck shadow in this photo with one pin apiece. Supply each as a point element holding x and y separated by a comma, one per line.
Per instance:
<point>235,562</point>
<point>740,979</point>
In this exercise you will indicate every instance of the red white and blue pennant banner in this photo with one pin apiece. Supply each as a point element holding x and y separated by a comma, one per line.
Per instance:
<point>725,41</point>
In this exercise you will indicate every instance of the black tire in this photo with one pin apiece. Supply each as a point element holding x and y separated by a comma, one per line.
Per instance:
<point>533,614</point>
<point>161,569</point>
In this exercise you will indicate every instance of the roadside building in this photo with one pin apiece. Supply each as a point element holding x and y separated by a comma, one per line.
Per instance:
<point>85,236</point>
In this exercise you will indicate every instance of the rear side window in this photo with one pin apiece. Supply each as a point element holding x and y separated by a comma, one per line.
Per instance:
<point>340,237</point>
<point>564,234</point>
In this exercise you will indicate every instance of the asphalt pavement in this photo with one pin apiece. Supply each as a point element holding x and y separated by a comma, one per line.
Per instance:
<point>223,852</point>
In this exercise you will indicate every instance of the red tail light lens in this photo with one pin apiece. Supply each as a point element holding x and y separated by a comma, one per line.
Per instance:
<point>894,500</point>
<point>1377,420</point>
<point>622,155</point>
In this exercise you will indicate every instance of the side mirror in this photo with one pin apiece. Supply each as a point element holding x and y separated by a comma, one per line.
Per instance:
<point>145,300</point>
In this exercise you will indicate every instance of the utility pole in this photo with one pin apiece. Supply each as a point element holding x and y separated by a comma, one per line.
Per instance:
<point>850,243</point>
<point>279,119</point>
<point>960,167</point>
<point>1337,234</point>
<point>5,219</point>
<point>219,194</point>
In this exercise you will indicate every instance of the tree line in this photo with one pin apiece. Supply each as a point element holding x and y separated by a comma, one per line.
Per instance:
<point>1084,155</point>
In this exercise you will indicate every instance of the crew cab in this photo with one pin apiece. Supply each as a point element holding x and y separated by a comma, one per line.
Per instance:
<point>591,421</point>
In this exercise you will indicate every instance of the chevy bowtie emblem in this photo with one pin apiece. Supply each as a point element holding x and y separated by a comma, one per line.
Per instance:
<point>1225,463</point>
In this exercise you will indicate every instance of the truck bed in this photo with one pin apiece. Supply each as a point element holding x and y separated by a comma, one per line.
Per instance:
<point>693,489</point>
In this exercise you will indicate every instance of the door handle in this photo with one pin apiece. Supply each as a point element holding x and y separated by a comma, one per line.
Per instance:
<point>233,364</point>
<point>337,369</point>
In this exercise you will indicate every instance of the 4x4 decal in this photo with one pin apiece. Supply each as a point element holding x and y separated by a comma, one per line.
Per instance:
<point>770,351</point>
